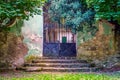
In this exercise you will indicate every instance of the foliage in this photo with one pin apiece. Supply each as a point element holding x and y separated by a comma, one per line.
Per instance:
<point>29,58</point>
<point>71,13</point>
<point>12,9</point>
<point>16,28</point>
<point>105,9</point>
<point>87,34</point>
<point>66,76</point>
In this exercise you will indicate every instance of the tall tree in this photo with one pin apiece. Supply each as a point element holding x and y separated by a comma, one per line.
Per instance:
<point>105,9</point>
<point>11,9</point>
<point>71,13</point>
<point>108,10</point>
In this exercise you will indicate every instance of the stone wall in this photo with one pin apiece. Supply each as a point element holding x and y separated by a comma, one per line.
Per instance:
<point>101,46</point>
<point>12,50</point>
<point>16,44</point>
<point>32,31</point>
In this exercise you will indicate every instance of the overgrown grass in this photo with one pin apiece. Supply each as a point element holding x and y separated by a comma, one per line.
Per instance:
<point>79,76</point>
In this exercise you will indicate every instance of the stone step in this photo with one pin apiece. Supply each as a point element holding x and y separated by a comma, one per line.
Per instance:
<point>55,69</point>
<point>69,65</point>
<point>56,58</point>
<point>6,69</point>
<point>58,64</point>
<point>58,61</point>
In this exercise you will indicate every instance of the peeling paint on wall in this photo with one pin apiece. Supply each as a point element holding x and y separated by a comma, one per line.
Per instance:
<point>32,31</point>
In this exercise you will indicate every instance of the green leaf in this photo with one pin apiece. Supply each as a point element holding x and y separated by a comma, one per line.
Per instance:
<point>14,8</point>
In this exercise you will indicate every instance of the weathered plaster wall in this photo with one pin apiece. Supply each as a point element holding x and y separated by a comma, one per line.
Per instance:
<point>33,35</point>
<point>98,47</point>
<point>12,48</point>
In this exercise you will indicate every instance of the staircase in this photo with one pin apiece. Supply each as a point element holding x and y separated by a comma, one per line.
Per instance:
<point>57,64</point>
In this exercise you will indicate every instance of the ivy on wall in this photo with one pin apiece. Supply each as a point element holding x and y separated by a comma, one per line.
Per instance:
<point>16,28</point>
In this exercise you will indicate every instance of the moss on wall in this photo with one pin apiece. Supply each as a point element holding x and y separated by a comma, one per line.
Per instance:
<point>12,48</point>
<point>87,33</point>
<point>100,46</point>
<point>16,28</point>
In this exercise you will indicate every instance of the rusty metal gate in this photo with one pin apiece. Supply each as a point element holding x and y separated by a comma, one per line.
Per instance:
<point>58,41</point>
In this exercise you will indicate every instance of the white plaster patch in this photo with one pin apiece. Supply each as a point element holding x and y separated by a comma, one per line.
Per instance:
<point>33,35</point>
